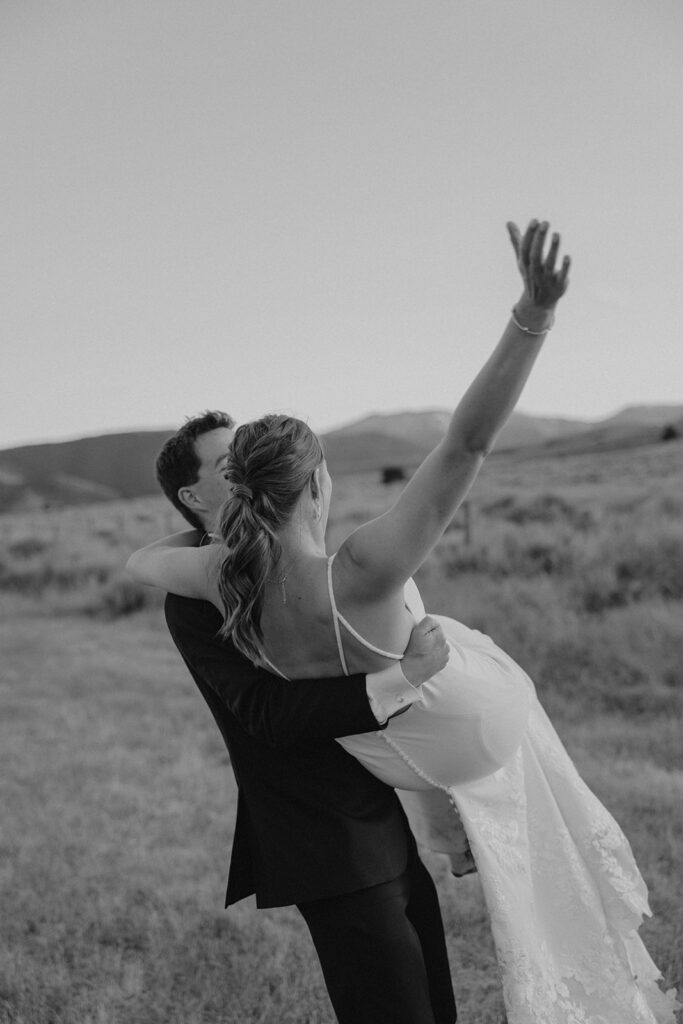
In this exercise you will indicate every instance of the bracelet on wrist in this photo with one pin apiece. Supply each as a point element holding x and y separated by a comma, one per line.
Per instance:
<point>527,330</point>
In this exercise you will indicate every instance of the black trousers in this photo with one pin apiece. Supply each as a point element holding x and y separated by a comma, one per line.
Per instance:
<point>383,952</point>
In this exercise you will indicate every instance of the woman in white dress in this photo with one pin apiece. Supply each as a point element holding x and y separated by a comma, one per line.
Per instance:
<point>564,894</point>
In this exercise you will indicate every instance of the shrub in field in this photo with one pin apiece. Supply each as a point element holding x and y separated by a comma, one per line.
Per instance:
<point>651,564</point>
<point>596,588</point>
<point>652,632</point>
<point>35,575</point>
<point>115,597</point>
<point>510,551</point>
<point>670,505</point>
<point>118,596</point>
<point>630,567</point>
<point>27,547</point>
<point>627,660</point>
<point>592,675</point>
<point>110,536</point>
<point>538,552</point>
<point>26,575</point>
<point>456,558</point>
<point>540,508</point>
<point>520,615</point>
<point>121,596</point>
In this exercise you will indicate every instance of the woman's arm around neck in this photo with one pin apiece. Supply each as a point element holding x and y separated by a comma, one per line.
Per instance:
<point>178,565</point>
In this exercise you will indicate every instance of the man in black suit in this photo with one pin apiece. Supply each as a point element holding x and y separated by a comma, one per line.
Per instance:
<point>313,827</point>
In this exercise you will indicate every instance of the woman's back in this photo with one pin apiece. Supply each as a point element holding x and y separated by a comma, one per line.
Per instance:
<point>312,625</point>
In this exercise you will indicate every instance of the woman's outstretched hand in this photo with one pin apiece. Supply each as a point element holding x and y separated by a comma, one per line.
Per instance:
<point>543,284</point>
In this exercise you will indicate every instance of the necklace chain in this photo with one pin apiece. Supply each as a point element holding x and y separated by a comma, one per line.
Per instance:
<point>281,580</point>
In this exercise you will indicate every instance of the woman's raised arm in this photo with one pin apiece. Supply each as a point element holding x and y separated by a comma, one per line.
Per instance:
<point>383,554</point>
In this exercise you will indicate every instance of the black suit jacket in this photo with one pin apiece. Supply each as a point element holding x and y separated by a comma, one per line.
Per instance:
<point>311,821</point>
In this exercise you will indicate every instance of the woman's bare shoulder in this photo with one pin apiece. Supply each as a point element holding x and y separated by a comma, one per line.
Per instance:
<point>356,580</point>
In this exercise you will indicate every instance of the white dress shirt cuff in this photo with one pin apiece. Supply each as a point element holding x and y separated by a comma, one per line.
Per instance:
<point>389,692</point>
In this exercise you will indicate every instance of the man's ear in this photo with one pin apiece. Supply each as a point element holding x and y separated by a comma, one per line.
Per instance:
<point>190,500</point>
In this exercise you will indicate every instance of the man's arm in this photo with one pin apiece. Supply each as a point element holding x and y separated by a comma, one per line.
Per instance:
<point>286,712</point>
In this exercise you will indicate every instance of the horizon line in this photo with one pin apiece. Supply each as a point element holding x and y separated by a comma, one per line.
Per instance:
<point>66,439</point>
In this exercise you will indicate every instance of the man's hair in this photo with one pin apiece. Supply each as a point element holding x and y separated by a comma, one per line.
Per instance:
<point>177,464</point>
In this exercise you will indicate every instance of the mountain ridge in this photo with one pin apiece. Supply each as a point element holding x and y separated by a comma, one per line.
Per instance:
<point>121,465</point>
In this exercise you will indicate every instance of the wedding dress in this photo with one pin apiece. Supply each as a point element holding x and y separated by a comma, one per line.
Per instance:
<point>562,888</point>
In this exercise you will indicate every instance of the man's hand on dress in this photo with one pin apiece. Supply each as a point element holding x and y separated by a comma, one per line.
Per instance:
<point>426,653</point>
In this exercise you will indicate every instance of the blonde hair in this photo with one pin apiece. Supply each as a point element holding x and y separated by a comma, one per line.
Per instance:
<point>270,463</point>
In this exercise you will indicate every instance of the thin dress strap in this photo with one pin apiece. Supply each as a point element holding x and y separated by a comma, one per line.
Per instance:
<point>338,617</point>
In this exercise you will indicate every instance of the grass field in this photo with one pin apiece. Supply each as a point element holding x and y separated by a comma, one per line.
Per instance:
<point>117,795</point>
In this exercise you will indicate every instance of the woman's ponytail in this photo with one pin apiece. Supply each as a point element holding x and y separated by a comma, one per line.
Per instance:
<point>251,551</point>
<point>270,463</point>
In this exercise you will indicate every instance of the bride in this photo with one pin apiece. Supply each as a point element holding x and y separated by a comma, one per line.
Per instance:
<point>564,894</point>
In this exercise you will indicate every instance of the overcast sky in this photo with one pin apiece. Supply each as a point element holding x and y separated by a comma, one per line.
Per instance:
<point>300,204</point>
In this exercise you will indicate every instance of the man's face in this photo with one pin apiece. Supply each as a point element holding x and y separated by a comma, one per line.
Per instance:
<point>211,488</point>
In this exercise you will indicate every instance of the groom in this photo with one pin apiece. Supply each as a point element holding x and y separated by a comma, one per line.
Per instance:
<point>313,827</point>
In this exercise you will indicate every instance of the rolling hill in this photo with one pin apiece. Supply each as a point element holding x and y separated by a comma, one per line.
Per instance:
<point>354,447</point>
<point>428,427</point>
<point>114,466</point>
<point>79,472</point>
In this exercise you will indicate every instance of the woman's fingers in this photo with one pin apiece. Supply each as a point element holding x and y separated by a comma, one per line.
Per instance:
<point>525,249</point>
<point>549,265</point>
<point>536,255</point>
<point>564,272</point>
<point>539,274</point>
<point>515,237</point>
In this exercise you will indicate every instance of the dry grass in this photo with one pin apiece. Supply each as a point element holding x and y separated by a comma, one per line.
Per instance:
<point>119,802</point>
